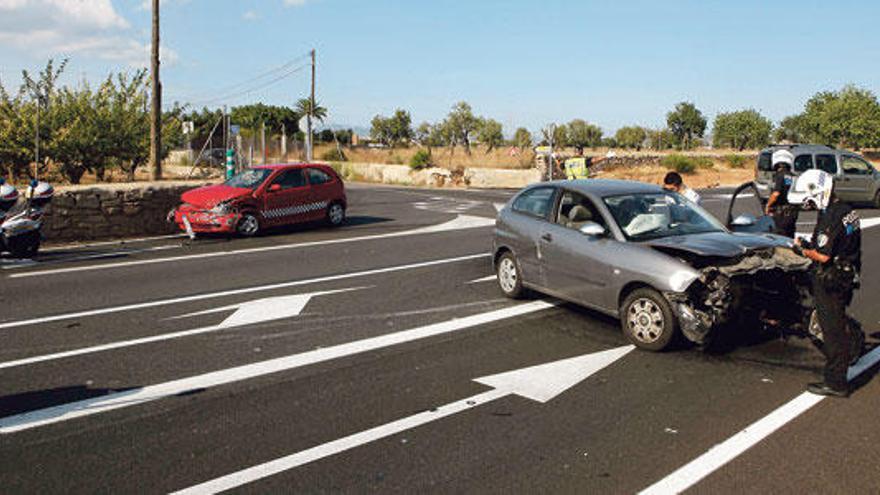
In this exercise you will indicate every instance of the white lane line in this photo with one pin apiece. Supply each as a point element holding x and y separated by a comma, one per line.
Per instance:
<point>866,223</point>
<point>724,452</point>
<point>120,242</point>
<point>235,292</point>
<point>109,402</point>
<point>490,278</point>
<point>459,223</point>
<point>112,254</point>
<point>269,309</point>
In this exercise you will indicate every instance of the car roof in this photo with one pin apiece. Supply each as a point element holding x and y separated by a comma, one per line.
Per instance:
<point>607,187</point>
<point>277,166</point>
<point>800,148</point>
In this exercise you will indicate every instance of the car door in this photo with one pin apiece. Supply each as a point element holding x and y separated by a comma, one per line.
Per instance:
<point>523,227</point>
<point>286,197</point>
<point>856,180</point>
<point>323,189</point>
<point>746,211</point>
<point>575,265</point>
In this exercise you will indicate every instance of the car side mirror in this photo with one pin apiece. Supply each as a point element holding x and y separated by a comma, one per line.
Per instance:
<point>275,188</point>
<point>592,229</point>
<point>744,220</point>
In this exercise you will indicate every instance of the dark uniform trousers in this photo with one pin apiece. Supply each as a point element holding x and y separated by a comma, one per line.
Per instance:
<point>785,219</point>
<point>831,310</point>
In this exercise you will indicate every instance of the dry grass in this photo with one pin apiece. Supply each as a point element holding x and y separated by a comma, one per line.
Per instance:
<point>718,175</point>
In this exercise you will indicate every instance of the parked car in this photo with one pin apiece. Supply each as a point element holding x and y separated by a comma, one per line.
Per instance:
<point>856,180</point>
<point>262,197</point>
<point>656,261</point>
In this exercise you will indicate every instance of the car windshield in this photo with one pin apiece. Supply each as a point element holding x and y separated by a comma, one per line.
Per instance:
<point>643,217</point>
<point>249,179</point>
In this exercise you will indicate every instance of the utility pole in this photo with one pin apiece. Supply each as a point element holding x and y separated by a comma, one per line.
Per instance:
<point>309,152</point>
<point>37,142</point>
<point>156,111</point>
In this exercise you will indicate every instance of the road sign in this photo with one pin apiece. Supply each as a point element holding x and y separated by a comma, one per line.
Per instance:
<point>539,383</point>
<point>188,127</point>
<point>234,129</point>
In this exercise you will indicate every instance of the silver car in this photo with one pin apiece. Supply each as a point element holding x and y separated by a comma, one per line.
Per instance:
<point>659,263</point>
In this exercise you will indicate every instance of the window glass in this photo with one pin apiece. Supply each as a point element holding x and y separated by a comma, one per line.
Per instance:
<point>291,179</point>
<point>764,164</point>
<point>535,202</point>
<point>802,163</point>
<point>657,215</point>
<point>575,210</point>
<point>248,179</point>
<point>318,177</point>
<point>855,166</point>
<point>827,163</point>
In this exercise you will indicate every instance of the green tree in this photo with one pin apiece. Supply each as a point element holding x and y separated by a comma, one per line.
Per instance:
<point>632,137</point>
<point>522,138</point>
<point>392,131</point>
<point>741,130</point>
<point>559,136</point>
<point>849,118</point>
<point>686,123</point>
<point>582,134</point>
<point>16,133</point>
<point>661,139</point>
<point>304,104</point>
<point>792,129</point>
<point>461,125</point>
<point>491,134</point>
<point>276,118</point>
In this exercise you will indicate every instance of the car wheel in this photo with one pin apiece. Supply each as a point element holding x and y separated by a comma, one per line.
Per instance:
<point>877,200</point>
<point>647,320</point>
<point>335,214</point>
<point>248,225</point>
<point>24,246</point>
<point>509,276</point>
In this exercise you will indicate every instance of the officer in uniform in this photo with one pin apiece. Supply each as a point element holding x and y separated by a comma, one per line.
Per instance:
<point>784,214</point>
<point>579,166</point>
<point>836,251</point>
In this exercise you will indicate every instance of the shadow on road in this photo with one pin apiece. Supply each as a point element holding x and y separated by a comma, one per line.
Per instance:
<point>11,405</point>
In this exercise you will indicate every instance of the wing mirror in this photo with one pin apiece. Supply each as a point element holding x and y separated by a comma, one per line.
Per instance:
<point>592,229</point>
<point>275,188</point>
<point>744,221</point>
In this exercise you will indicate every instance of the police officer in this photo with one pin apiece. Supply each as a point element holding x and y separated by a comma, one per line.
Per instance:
<point>836,251</point>
<point>579,166</point>
<point>785,215</point>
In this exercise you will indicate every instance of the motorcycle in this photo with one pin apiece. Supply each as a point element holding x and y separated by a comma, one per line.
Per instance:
<point>21,221</point>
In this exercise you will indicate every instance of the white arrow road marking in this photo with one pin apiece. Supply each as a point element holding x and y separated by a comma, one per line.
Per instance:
<point>235,292</point>
<point>459,223</point>
<point>719,455</point>
<point>109,402</point>
<point>262,310</point>
<point>539,383</point>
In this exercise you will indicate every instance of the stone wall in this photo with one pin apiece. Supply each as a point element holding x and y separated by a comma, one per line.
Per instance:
<point>112,210</point>
<point>436,177</point>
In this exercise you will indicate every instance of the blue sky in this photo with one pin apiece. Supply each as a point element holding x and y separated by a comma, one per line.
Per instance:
<point>522,62</point>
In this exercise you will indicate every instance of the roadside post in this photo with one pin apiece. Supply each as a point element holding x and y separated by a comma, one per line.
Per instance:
<point>230,163</point>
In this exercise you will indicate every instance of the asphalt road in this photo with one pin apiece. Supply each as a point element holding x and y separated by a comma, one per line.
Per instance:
<point>319,360</point>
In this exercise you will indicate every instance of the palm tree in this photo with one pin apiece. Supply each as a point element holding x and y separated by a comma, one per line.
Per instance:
<point>303,106</point>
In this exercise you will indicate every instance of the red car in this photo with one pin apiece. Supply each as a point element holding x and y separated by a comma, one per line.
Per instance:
<point>263,197</point>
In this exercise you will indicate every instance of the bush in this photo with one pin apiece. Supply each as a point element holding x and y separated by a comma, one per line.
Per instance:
<point>702,162</point>
<point>334,155</point>
<point>736,161</point>
<point>422,159</point>
<point>679,163</point>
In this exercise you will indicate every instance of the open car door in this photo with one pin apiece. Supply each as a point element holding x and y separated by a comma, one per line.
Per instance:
<point>746,211</point>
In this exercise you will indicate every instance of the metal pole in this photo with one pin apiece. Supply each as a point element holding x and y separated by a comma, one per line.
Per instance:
<point>156,111</point>
<point>311,145</point>
<point>263,143</point>
<point>37,142</point>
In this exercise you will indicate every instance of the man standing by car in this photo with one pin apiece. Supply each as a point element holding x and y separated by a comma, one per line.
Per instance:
<point>674,182</point>
<point>784,215</point>
<point>579,166</point>
<point>836,251</point>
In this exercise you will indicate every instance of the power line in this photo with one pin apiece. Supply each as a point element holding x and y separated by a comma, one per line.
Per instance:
<point>252,89</point>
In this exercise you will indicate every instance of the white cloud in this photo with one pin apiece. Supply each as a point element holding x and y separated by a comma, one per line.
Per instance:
<point>250,15</point>
<point>91,28</point>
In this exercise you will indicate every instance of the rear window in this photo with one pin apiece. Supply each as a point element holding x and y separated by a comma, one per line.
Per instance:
<point>802,163</point>
<point>828,163</point>
<point>764,160</point>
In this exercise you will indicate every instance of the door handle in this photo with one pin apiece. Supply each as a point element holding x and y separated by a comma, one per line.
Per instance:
<point>547,238</point>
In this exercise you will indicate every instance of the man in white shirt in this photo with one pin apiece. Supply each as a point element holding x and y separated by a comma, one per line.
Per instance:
<point>673,182</point>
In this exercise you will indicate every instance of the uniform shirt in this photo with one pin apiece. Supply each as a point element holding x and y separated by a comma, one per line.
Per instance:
<point>781,184</point>
<point>838,234</point>
<point>691,195</point>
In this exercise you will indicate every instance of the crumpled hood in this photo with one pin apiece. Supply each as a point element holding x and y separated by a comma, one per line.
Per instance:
<point>209,196</point>
<point>719,244</point>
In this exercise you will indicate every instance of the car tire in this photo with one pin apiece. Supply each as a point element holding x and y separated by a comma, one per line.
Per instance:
<point>248,225</point>
<point>24,246</point>
<point>877,200</point>
<point>335,214</point>
<point>509,276</point>
<point>647,320</point>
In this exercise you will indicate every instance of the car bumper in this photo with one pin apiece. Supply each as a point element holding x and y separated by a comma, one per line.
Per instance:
<point>205,221</point>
